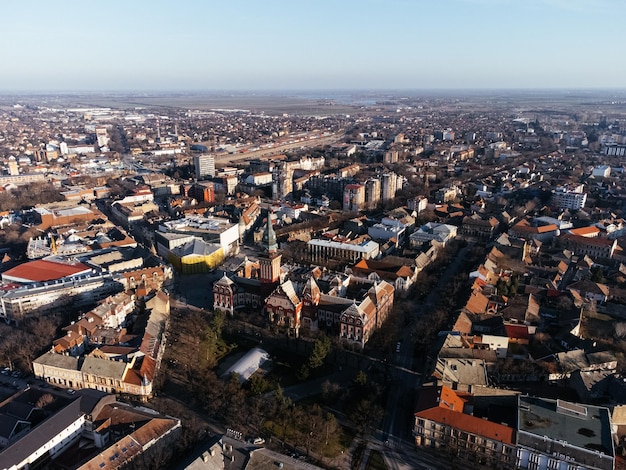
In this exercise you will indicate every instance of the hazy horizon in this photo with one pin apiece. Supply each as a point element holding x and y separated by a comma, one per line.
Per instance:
<point>276,45</point>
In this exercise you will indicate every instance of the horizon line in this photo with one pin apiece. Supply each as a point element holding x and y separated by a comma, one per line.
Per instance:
<point>306,90</point>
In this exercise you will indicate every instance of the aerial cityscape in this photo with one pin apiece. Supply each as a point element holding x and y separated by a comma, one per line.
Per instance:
<point>364,236</point>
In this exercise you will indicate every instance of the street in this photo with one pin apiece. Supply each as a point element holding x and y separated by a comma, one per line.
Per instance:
<point>396,432</point>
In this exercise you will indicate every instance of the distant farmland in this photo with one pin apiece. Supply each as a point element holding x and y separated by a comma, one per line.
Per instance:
<point>269,104</point>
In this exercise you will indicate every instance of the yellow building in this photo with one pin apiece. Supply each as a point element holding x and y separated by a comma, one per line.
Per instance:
<point>196,256</point>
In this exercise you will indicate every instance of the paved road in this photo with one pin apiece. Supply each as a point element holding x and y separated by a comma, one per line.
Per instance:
<point>396,431</point>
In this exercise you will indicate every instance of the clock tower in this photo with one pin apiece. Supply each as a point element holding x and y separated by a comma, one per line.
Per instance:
<point>270,260</point>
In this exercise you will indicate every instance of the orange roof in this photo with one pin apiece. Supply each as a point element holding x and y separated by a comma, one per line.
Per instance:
<point>477,303</point>
<point>585,231</point>
<point>44,270</point>
<point>469,423</point>
<point>547,228</point>
<point>450,400</point>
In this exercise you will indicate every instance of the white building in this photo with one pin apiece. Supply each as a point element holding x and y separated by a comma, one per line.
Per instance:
<point>417,204</point>
<point>324,249</point>
<point>433,231</point>
<point>204,165</point>
<point>211,229</point>
<point>15,304</point>
<point>601,171</point>
<point>565,198</point>
<point>389,186</point>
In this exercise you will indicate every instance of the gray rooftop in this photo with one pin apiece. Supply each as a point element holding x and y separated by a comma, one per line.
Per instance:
<point>40,435</point>
<point>58,360</point>
<point>580,432</point>
<point>103,367</point>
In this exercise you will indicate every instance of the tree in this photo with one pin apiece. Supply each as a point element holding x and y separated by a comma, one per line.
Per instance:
<point>365,414</point>
<point>321,348</point>
<point>217,324</point>
<point>284,406</point>
<point>361,379</point>
<point>330,391</point>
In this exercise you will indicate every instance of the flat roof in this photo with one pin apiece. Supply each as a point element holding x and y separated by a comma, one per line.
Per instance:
<point>365,247</point>
<point>584,426</point>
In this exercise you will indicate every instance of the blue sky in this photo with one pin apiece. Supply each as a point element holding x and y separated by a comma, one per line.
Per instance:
<point>311,44</point>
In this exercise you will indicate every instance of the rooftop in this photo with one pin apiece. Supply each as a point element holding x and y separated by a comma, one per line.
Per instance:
<point>44,270</point>
<point>587,427</point>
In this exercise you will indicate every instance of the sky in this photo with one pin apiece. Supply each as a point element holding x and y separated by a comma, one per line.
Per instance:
<point>217,45</point>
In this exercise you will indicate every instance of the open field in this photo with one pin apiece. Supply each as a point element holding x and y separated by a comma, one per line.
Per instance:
<point>329,103</point>
<point>269,104</point>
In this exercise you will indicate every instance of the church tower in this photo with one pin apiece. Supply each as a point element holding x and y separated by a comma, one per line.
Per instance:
<point>270,261</point>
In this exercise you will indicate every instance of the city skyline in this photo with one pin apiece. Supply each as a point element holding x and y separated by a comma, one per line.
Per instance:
<point>276,45</point>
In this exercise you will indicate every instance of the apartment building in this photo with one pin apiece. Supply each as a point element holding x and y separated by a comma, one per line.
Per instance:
<point>569,198</point>
<point>444,422</point>
<point>204,166</point>
<point>354,198</point>
<point>556,434</point>
<point>54,423</point>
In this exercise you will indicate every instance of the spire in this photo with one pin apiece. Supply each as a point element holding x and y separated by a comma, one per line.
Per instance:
<point>269,237</point>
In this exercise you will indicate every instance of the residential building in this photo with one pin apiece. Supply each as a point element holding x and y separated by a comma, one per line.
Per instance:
<point>417,204</point>
<point>204,166</point>
<point>399,272</point>
<point>372,193</point>
<point>569,198</point>
<point>526,230</point>
<point>595,247</point>
<point>202,192</point>
<point>443,421</point>
<point>447,194</point>
<point>389,186</point>
<point>53,424</point>
<point>132,373</point>
<point>556,434</point>
<point>476,228</point>
<point>353,197</point>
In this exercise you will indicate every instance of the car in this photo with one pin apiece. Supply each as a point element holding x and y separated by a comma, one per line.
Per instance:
<point>5,371</point>
<point>398,346</point>
<point>258,441</point>
<point>71,392</point>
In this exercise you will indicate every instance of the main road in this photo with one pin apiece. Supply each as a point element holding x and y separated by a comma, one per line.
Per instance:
<point>396,432</point>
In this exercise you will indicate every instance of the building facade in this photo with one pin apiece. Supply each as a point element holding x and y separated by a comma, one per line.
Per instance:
<point>204,166</point>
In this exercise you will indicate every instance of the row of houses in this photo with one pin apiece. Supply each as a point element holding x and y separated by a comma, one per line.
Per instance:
<point>97,352</point>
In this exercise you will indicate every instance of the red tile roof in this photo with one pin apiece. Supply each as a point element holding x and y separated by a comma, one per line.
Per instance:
<point>469,424</point>
<point>585,231</point>
<point>44,270</point>
<point>517,332</point>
